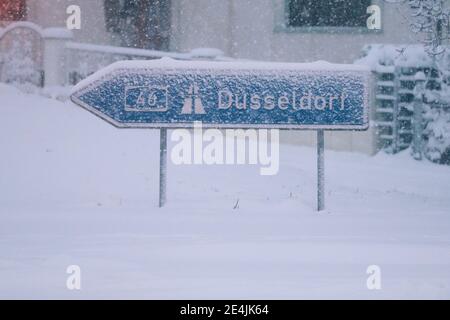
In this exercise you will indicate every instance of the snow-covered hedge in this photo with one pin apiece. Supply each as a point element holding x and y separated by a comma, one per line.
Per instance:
<point>437,127</point>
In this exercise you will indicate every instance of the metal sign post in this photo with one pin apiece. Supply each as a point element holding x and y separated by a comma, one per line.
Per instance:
<point>320,171</point>
<point>162,167</point>
<point>166,93</point>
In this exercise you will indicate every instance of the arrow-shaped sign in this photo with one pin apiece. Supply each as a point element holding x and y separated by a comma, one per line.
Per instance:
<point>168,93</point>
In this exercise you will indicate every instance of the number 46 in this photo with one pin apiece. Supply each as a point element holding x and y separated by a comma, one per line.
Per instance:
<point>150,101</point>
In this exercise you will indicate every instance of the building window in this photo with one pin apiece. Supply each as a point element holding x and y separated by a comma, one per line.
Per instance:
<point>327,13</point>
<point>139,23</point>
<point>12,10</point>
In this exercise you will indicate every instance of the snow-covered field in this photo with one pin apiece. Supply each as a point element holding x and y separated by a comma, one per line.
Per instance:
<point>76,191</point>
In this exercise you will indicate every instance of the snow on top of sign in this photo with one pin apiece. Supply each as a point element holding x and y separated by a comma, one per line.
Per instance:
<point>169,63</point>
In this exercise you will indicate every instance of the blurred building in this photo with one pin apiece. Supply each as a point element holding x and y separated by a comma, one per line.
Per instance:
<point>279,30</point>
<point>272,30</point>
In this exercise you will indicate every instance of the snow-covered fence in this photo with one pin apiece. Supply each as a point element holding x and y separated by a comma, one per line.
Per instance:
<point>49,57</point>
<point>31,54</point>
<point>85,59</point>
<point>394,104</point>
<point>396,68</point>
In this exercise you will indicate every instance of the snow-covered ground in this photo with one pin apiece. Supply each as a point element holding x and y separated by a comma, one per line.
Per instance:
<point>76,191</point>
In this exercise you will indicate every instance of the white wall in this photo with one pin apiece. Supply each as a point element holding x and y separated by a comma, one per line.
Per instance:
<point>52,13</point>
<point>248,29</point>
<point>200,23</point>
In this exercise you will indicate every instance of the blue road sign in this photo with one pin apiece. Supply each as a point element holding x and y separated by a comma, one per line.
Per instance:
<point>173,94</point>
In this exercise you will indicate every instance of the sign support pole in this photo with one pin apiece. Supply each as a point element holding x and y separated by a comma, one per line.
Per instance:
<point>320,171</point>
<point>162,166</point>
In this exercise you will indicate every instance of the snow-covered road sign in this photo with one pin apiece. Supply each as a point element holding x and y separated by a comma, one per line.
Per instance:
<point>172,94</point>
<point>167,93</point>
